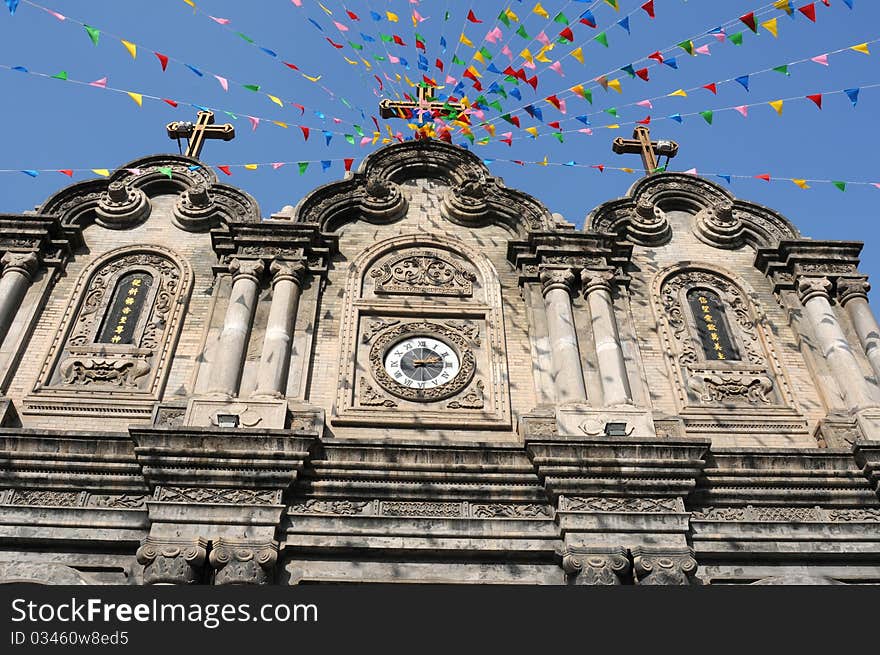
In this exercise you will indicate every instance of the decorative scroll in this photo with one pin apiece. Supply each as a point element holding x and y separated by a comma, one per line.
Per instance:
<point>423,273</point>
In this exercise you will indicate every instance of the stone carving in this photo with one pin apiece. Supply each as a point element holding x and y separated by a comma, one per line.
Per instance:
<point>813,287</point>
<point>421,509</point>
<point>827,268</point>
<point>658,566</point>
<point>372,397</point>
<point>871,515</point>
<point>123,501</point>
<point>218,496</point>
<point>36,498</point>
<point>499,510</point>
<point>90,366</point>
<point>382,200</point>
<point>612,504</point>
<point>121,206</point>
<point>719,226</point>
<point>172,561</point>
<point>334,507</point>
<point>468,201</point>
<point>303,422</point>
<point>540,428</point>
<point>243,563</point>
<point>473,399</point>
<point>452,336</point>
<point>592,280</point>
<point>730,387</point>
<point>788,514</point>
<point>194,210</point>
<point>169,417</point>
<point>590,567</point>
<point>852,288</point>
<point>648,225</point>
<point>472,332</point>
<point>557,278</point>
<point>269,251</point>
<point>573,261</point>
<point>674,308</point>
<point>423,273</point>
<point>375,326</point>
<point>24,263</point>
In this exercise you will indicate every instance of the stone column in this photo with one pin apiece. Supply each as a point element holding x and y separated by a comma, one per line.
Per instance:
<point>172,561</point>
<point>599,567</point>
<point>238,562</point>
<point>664,566</point>
<point>612,368</point>
<point>17,271</point>
<point>275,360</point>
<point>814,294</point>
<point>568,376</point>
<point>229,357</point>
<point>853,296</point>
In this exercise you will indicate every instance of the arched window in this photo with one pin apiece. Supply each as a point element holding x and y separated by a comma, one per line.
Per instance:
<point>125,312</point>
<point>713,329</point>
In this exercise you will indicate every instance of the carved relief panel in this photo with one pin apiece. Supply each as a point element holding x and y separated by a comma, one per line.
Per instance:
<point>717,344</point>
<point>422,338</point>
<point>112,350</point>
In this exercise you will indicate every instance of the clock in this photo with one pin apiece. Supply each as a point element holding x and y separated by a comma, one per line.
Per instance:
<point>422,362</point>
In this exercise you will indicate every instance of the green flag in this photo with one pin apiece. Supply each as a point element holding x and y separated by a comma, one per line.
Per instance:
<point>560,18</point>
<point>94,33</point>
<point>521,31</point>
<point>165,170</point>
<point>355,46</point>
<point>245,37</point>
<point>687,46</point>
<point>708,115</point>
<point>456,60</point>
<point>486,54</point>
<point>736,39</point>
<point>496,105</point>
<point>252,87</point>
<point>60,76</point>
<point>503,17</point>
<point>782,69</point>
<point>303,166</point>
<point>349,138</point>
<point>357,128</point>
<point>559,137</point>
<point>602,38</point>
<point>612,111</point>
<point>387,38</point>
<point>840,185</point>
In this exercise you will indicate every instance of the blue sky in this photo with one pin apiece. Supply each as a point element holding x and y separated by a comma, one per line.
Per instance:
<point>51,124</point>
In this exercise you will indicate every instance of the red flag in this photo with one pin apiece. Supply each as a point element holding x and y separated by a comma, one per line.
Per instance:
<point>711,87</point>
<point>162,60</point>
<point>427,80</point>
<point>553,100</point>
<point>379,80</point>
<point>764,177</point>
<point>809,10</point>
<point>817,98</point>
<point>643,73</point>
<point>477,86</point>
<point>420,45</point>
<point>293,66</point>
<point>554,124</point>
<point>515,121</point>
<point>588,22</point>
<point>649,7</point>
<point>472,18</point>
<point>338,46</point>
<point>67,172</point>
<point>645,121</point>
<point>508,139</point>
<point>170,102</point>
<point>749,19</point>
<point>305,132</point>
<point>439,64</point>
<point>348,163</point>
<point>656,56</point>
<point>225,169</point>
<point>567,34</point>
<point>533,82</point>
<point>398,40</point>
<point>601,167</point>
<point>352,15</point>
<point>302,110</point>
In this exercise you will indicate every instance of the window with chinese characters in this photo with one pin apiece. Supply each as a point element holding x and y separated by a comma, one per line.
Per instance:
<point>712,327</point>
<point>128,304</point>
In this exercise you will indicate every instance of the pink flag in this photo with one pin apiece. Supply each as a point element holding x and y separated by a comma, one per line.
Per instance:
<point>645,103</point>
<point>340,26</point>
<point>719,35</point>
<point>703,50</point>
<point>393,59</point>
<point>690,171</point>
<point>543,38</point>
<point>743,109</point>
<point>102,83</point>
<point>57,15</point>
<point>821,59</point>
<point>586,130</point>
<point>365,140</point>
<point>876,184</point>
<point>222,21</point>
<point>529,64</point>
<point>298,3</point>
<point>506,51</point>
<point>556,66</point>
<point>277,165</point>
<point>223,82</point>
<point>494,35</point>
<point>254,122</point>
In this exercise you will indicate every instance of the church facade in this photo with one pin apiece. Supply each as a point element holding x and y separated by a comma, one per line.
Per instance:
<point>418,374</point>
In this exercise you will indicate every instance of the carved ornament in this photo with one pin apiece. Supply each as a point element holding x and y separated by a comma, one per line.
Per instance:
<point>243,563</point>
<point>659,566</point>
<point>852,289</point>
<point>121,206</point>
<point>423,273</point>
<point>172,561</point>
<point>596,567</point>
<point>713,387</point>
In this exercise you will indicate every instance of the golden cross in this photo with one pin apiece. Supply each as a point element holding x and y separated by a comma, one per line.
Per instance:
<point>649,150</point>
<point>423,103</point>
<point>197,133</point>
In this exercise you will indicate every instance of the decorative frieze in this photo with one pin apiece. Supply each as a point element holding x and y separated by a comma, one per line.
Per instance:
<point>765,514</point>
<point>423,273</point>
<point>619,504</point>
<point>53,498</point>
<point>215,496</point>
<point>420,509</point>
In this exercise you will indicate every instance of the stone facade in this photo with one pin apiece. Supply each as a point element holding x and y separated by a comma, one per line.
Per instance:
<point>419,374</point>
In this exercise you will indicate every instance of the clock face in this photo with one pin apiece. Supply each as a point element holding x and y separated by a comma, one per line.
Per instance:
<point>422,363</point>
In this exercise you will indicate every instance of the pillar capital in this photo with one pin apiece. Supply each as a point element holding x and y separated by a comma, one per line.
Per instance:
<point>282,270</point>
<point>664,566</point>
<point>246,268</point>
<point>243,562</point>
<point>557,278</point>
<point>24,263</point>
<point>172,561</point>
<point>588,566</point>
<point>852,288</point>
<point>809,288</point>
<point>596,281</point>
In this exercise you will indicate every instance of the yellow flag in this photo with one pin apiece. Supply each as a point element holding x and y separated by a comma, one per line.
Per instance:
<point>628,170</point>
<point>137,97</point>
<point>540,11</point>
<point>533,131</point>
<point>103,172</point>
<point>251,167</point>
<point>613,126</point>
<point>479,57</point>
<point>862,47</point>
<point>376,136</point>
<point>578,89</point>
<point>512,16</point>
<point>527,55</point>
<point>280,124</point>
<point>784,5</point>
<point>542,57</point>
<point>615,84</point>
<point>463,39</point>
<point>777,105</point>
<point>353,63</point>
<point>326,11</point>
<point>474,71</point>
<point>490,128</point>
<point>391,16</point>
<point>409,81</point>
<point>310,78</point>
<point>771,26</point>
<point>578,53</point>
<point>681,92</point>
<point>545,162</point>
<point>190,3</point>
<point>801,183</point>
<point>275,100</point>
<point>131,47</point>
<point>367,64</point>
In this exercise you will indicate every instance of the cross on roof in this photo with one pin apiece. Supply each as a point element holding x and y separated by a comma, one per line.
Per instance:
<point>197,133</point>
<point>406,108</point>
<point>649,150</point>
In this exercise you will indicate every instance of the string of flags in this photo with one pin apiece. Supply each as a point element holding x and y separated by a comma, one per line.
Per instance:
<point>164,59</point>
